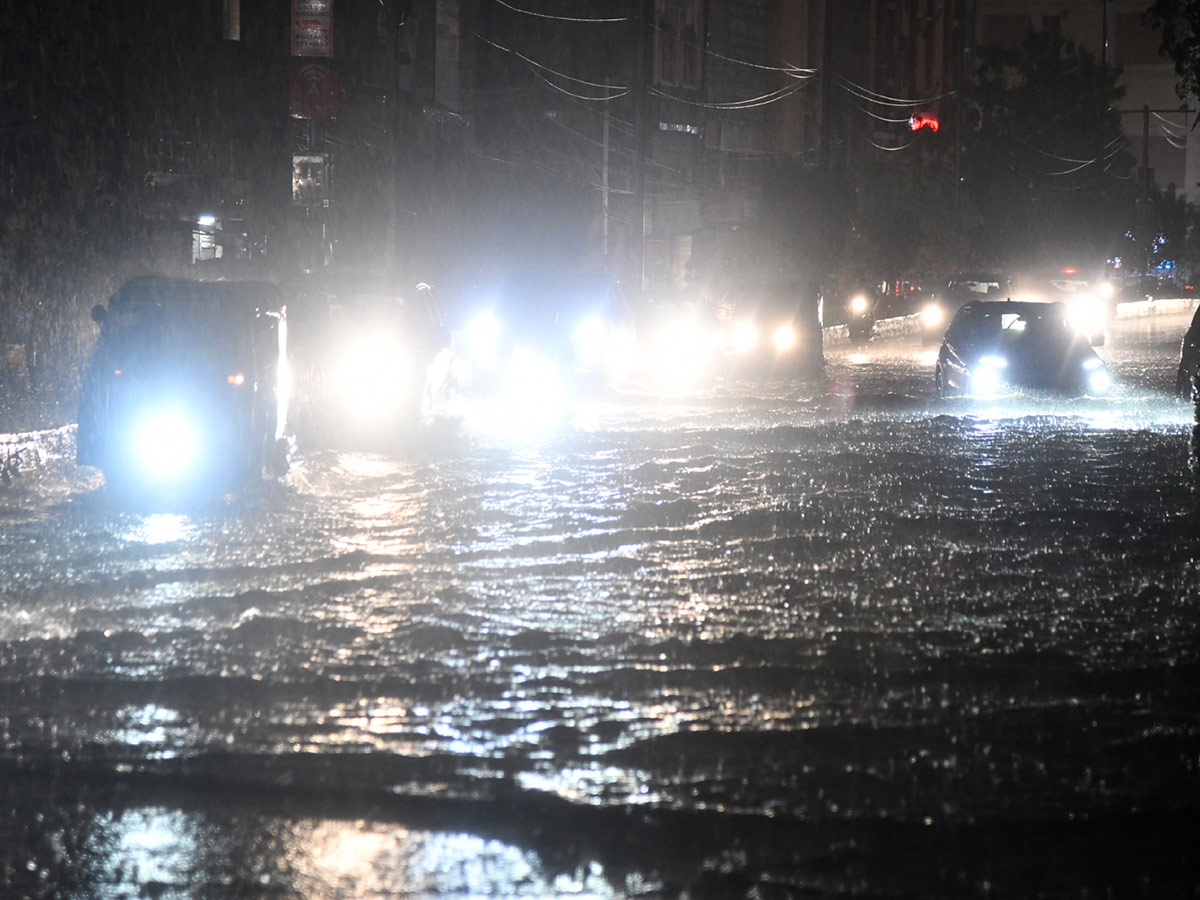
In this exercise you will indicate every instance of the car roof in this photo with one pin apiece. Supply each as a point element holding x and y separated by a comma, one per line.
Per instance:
<point>226,297</point>
<point>1040,308</point>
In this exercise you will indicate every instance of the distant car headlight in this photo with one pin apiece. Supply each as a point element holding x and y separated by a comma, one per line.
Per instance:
<point>166,444</point>
<point>1105,289</point>
<point>784,337</point>
<point>744,336</point>
<point>859,305</point>
<point>1087,314</point>
<point>932,316</point>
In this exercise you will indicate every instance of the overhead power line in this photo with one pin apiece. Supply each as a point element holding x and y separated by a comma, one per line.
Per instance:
<point>751,103</point>
<point>557,18</point>
<point>786,68</point>
<point>538,68</point>
<point>883,99</point>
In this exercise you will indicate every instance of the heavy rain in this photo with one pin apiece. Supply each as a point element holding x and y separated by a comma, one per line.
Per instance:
<point>603,450</point>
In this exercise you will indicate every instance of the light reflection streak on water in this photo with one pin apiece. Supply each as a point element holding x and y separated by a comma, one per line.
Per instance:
<point>157,852</point>
<point>329,858</point>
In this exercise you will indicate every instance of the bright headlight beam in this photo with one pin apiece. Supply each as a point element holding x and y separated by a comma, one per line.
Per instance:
<point>1099,381</point>
<point>784,337</point>
<point>166,444</point>
<point>745,336</point>
<point>482,336</point>
<point>591,338</point>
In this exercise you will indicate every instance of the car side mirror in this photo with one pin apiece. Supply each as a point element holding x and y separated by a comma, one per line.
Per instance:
<point>99,314</point>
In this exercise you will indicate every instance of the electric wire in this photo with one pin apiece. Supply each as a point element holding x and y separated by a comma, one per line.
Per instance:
<point>622,89</point>
<point>540,15</point>
<point>884,100</point>
<point>880,118</point>
<point>891,149</point>
<point>786,69</point>
<point>734,105</point>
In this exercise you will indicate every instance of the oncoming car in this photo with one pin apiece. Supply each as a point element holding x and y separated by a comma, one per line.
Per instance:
<point>772,327</point>
<point>187,387</point>
<point>536,341</point>
<point>996,346</point>
<point>372,356</point>
<point>1088,298</point>
<point>959,290</point>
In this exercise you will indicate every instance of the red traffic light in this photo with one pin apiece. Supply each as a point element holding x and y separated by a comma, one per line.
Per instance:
<point>923,120</point>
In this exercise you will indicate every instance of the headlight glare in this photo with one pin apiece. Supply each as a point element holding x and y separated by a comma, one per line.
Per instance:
<point>166,444</point>
<point>1099,381</point>
<point>784,338</point>
<point>744,336</point>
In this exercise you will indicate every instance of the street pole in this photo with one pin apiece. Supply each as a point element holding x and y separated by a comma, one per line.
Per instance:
<point>604,183</point>
<point>639,183</point>
<point>827,86</point>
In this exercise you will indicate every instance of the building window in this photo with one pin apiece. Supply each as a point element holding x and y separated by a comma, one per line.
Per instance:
<point>678,40</point>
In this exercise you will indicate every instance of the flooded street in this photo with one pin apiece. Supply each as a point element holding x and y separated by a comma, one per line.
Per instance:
<point>746,640</point>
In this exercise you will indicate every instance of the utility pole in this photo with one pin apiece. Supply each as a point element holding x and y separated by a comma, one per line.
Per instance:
<point>641,79</point>
<point>827,86</point>
<point>604,182</point>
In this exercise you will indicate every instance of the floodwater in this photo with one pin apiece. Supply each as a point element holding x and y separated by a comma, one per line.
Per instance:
<point>731,640</point>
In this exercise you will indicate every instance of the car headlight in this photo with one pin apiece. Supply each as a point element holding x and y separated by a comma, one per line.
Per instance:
<point>988,375</point>
<point>859,305</point>
<point>591,341</point>
<point>1105,289</point>
<point>1087,314</point>
<point>482,339</point>
<point>744,336</point>
<point>1098,378</point>
<point>166,444</point>
<point>932,316</point>
<point>784,337</point>
<point>370,374</point>
<point>1099,382</point>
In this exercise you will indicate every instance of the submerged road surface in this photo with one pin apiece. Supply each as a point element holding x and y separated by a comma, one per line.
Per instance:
<point>742,640</point>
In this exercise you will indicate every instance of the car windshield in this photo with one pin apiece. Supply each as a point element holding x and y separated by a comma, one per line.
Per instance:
<point>1034,329</point>
<point>785,298</point>
<point>977,285</point>
<point>543,301</point>
<point>174,333</point>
